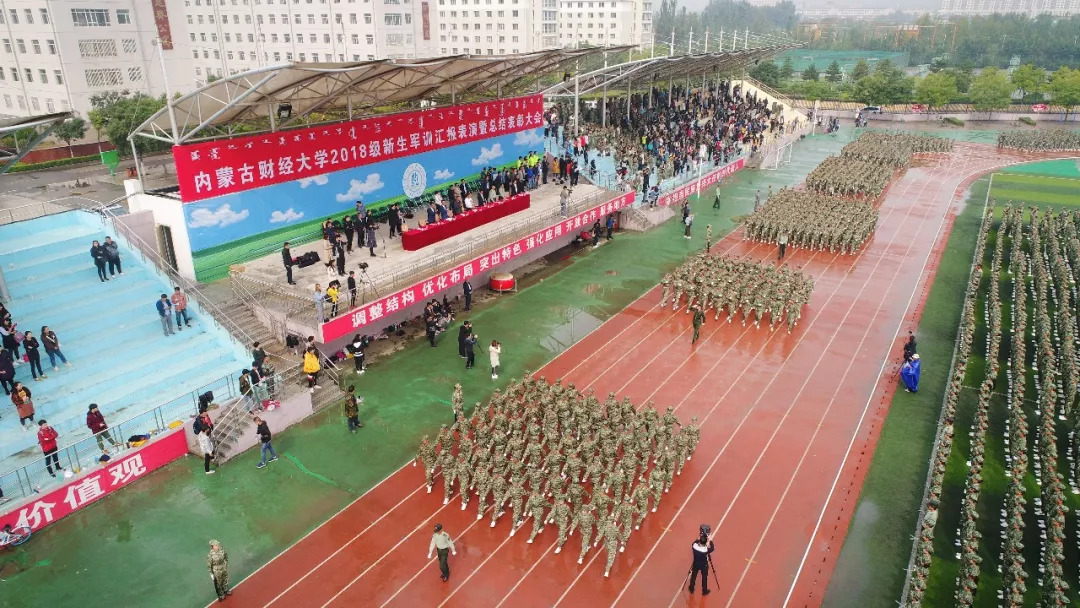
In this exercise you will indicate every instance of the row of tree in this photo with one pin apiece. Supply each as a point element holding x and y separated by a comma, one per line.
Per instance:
<point>1046,41</point>
<point>991,90</point>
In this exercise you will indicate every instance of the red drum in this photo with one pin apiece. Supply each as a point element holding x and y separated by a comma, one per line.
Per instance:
<point>502,281</point>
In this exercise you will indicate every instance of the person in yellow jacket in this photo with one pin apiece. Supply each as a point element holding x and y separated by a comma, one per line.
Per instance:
<point>311,368</point>
<point>332,295</point>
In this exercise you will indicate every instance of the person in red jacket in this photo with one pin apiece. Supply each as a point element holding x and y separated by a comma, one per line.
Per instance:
<point>95,421</point>
<point>46,438</point>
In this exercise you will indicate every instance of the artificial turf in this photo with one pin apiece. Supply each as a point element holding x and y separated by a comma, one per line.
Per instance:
<point>872,563</point>
<point>872,566</point>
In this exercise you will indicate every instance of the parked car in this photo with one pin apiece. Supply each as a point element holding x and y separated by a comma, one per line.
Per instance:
<point>871,110</point>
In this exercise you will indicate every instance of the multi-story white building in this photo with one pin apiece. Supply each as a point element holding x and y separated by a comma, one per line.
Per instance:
<point>497,27</point>
<point>56,54</point>
<point>1059,8</point>
<point>604,23</point>
<point>230,36</point>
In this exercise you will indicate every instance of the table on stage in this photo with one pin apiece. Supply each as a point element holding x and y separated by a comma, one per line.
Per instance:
<point>418,238</point>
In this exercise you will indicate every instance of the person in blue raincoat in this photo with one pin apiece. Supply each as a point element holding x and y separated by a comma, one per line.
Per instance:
<point>910,373</point>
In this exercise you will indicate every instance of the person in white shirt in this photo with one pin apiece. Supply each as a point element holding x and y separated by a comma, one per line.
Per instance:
<point>494,351</point>
<point>442,544</point>
<point>207,448</point>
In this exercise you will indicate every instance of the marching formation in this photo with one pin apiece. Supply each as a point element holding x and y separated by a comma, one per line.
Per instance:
<point>866,165</point>
<point>813,221</point>
<point>894,149</point>
<point>740,286</point>
<point>840,176</point>
<point>550,454</point>
<point>1040,139</point>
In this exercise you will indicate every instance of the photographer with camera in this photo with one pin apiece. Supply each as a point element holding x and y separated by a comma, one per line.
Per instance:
<point>702,550</point>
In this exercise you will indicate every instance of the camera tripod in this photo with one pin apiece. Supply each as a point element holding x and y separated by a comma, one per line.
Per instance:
<point>366,283</point>
<point>690,573</point>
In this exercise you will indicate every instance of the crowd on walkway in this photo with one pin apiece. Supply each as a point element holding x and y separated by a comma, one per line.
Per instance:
<point>746,287</point>
<point>667,131</point>
<point>1041,139</point>
<point>549,453</point>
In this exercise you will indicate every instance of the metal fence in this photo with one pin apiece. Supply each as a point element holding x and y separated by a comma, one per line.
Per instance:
<point>84,453</point>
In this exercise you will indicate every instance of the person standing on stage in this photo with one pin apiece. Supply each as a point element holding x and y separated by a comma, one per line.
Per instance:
<point>287,259</point>
<point>442,544</point>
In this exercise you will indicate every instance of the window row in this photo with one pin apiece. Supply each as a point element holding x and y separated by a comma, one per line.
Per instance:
<point>27,16</point>
<point>20,44</point>
<point>476,14</point>
<point>35,104</point>
<point>476,26</point>
<point>99,17</point>
<point>284,19</point>
<point>111,77</point>
<point>28,75</point>
<point>502,39</point>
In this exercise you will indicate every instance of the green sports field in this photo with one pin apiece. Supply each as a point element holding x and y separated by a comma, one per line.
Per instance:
<point>872,565</point>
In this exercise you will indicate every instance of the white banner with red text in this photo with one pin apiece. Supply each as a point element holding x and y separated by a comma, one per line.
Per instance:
<point>420,292</point>
<point>97,484</point>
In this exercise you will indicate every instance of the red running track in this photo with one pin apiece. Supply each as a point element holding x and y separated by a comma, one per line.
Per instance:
<point>789,423</point>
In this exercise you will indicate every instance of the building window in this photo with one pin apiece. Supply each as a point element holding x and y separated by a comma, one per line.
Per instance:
<point>241,55</point>
<point>49,107</point>
<point>7,100</point>
<point>395,39</point>
<point>90,17</point>
<point>356,38</point>
<point>104,77</point>
<point>299,38</point>
<point>129,45</point>
<point>14,19</point>
<point>15,74</point>
<point>352,18</point>
<point>34,103</point>
<point>303,57</point>
<point>29,74</point>
<point>43,76</point>
<point>51,44</point>
<point>123,16</point>
<point>7,45</point>
<point>22,45</point>
<point>326,40</point>
<point>58,76</point>
<point>369,38</point>
<point>29,15</point>
<point>390,19</point>
<point>135,74</point>
<point>277,56</point>
<point>288,56</point>
<point>97,48</point>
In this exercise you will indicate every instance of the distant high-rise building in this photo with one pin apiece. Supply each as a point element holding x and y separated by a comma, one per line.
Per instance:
<point>56,54</point>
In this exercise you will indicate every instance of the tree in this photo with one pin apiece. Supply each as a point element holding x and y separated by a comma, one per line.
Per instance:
<point>935,90</point>
<point>861,70</point>
<point>991,91</point>
<point>810,73</point>
<point>787,70</point>
<point>870,90</point>
<point>1065,89</point>
<point>117,114</point>
<point>833,74</point>
<point>1029,79</point>
<point>767,72</point>
<point>70,130</point>
<point>814,90</point>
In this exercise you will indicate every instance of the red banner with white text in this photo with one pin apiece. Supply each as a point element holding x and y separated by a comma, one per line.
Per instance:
<point>420,292</point>
<point>98,483</point>
<point>214,168</point>
<point>684,192</point>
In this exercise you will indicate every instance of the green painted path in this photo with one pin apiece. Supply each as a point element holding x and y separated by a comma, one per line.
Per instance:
<point>146,546</point>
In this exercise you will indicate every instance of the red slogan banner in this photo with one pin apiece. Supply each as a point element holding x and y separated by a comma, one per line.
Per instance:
<point>373,311</point>
<point>215,168</point>
<point>161,20</point>
<point>91,487</point>
<point>684,192</point>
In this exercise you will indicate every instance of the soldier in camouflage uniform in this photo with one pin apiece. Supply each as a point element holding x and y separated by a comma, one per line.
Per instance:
<point>218,563</point>
<point>610,535</point>
<point>464,475</point>
<point>517,496</point>
<point>536,508</point>
<point>561,517</point>
<point>584,521</point>
<point>483,482</point>
<point>640,500</point>
<point>426,457</point>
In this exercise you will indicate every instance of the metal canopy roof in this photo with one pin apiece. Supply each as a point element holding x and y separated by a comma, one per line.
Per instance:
<point>318,92</point>
<point>663,68</point>
<point>42,126</point>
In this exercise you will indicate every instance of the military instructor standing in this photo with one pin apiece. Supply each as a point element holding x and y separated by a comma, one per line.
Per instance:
<point>218,563</point>
<point>443,545</point>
